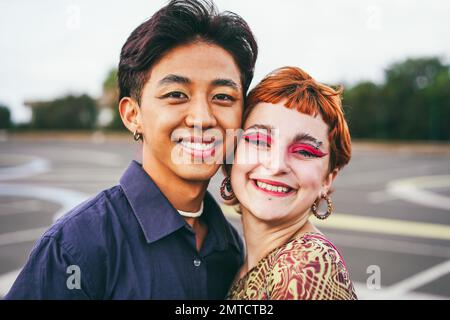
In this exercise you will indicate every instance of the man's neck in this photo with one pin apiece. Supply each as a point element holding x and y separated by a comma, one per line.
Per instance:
<point>183,194</point>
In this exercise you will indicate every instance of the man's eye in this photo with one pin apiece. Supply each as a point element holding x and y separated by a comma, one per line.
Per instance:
<point>224,97</point>
<point>175,95</point>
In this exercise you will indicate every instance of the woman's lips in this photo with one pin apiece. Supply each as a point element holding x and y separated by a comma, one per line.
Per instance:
<point>272,188</point>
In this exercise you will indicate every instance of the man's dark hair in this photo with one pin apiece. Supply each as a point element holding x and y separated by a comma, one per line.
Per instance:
<point>183,22</point>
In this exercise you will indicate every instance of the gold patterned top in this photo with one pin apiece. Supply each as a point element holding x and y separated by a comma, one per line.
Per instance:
<point>308,267</point>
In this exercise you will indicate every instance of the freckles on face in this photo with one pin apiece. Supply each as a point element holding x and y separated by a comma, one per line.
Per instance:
<point>281,161</point>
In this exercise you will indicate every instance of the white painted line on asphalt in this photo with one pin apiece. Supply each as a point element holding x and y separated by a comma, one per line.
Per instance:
<point>21,236</point>
<point>364,293</point>
<point>20,207</point>
<point>380,196</point>
<point>396,227</point>
<point>33,167</point>
<point>68,199</point>
<point>7,280</point>
<point>69,177</point>
<point>342,221</point>
<point>388,245</point>
<point>412,190</point>
<point>366,177</point>
<point>85,155</point>
<point>420,279</point>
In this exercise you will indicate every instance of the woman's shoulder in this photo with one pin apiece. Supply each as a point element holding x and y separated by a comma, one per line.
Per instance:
<point>307,248</point>
<point>309,267</point>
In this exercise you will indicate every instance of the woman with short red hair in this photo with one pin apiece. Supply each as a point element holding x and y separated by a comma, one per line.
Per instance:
<point>294,143</point>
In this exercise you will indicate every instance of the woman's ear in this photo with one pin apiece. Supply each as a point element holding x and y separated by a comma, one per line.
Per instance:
<point>328,181</point>
<point>131,114</point>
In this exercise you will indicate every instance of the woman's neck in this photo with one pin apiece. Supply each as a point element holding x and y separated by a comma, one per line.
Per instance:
<point>262,237</point>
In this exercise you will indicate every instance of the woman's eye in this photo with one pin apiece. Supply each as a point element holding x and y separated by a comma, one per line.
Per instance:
<point>257,140</point>
<point>307,151</point>
<point>306,154</point>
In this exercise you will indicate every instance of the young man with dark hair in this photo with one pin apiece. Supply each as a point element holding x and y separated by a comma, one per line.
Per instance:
<point>159,234</point>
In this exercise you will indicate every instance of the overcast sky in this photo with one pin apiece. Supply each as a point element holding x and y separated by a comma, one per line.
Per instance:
<point>51,48</point>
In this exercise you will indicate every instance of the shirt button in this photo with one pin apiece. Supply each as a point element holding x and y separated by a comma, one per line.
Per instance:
<point>197,262</point>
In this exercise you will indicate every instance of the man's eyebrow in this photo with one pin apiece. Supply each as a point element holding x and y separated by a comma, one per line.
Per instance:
<point>226,83</point>
<point>173,78</point>
<point>307,137</point>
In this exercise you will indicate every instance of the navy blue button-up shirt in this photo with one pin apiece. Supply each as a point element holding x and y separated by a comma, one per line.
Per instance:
<point>129,242</point>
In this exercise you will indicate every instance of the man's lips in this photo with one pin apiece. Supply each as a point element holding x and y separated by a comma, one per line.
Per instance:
<point>273,188</point>
<point>196,139</point>
<point>202,147</point>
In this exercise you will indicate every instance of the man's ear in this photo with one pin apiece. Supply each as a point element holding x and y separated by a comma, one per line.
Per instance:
<point>131,114</point>
<point>328,181</point>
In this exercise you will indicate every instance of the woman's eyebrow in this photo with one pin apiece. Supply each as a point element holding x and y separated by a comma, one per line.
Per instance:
<point>266,127</point>
<point>307,137</point>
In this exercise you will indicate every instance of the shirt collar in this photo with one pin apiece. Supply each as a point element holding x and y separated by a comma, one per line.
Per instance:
<point>156,215</point>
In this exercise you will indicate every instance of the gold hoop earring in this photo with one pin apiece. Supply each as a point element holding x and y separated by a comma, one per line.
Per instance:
<point>329,208</point>
<point>137,136</point>
<point>226,184</point>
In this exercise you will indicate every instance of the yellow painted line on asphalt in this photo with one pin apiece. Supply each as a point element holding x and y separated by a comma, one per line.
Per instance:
<point>342,221</point>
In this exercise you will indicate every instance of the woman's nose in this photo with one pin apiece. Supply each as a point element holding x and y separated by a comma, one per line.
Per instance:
<point>277,161</point>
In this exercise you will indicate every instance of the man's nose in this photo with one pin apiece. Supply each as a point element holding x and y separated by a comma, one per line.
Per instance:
<point>200,115</point>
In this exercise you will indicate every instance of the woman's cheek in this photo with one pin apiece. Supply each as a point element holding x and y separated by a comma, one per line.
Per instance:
<point>247,154</point>
<point>308,174</point>
<point>238,177</point>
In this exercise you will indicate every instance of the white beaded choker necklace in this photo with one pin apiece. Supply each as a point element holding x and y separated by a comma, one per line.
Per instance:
<point>192,214</point>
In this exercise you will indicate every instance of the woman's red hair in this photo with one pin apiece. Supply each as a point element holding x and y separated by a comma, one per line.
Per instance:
<point>301,92</point>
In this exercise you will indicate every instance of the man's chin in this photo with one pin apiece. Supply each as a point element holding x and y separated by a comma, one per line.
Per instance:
<point>196,172</point>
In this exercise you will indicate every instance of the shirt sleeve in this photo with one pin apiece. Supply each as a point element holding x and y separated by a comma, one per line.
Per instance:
<point>313,274</point>
<point>50,273</point>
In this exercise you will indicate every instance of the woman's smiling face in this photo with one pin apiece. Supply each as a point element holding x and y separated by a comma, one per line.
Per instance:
<point>282,163</point>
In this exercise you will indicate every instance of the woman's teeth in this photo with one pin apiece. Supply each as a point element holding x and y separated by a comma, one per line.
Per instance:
<point>197,146</point>
<point>272,188</point>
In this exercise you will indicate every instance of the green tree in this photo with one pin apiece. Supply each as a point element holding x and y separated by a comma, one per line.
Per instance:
<point>5,117</point>
<point>413,103</point>
<point>66,113</point>
<point>412,98</point>
<point>110,100</point>
<point>365,111</point>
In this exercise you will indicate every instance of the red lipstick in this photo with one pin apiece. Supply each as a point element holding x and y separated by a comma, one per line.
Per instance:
<point>272,183</point>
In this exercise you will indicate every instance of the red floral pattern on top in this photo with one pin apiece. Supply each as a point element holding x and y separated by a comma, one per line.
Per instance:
<point>308,267</point>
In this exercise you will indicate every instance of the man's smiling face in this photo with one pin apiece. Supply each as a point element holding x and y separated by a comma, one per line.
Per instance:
<point>193,95</point>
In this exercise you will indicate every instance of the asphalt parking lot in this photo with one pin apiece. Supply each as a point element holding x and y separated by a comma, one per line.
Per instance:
<point>392,220</point>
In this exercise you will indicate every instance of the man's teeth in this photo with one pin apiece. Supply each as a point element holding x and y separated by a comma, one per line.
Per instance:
<point>197,146</point>
<point>272,188</point>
